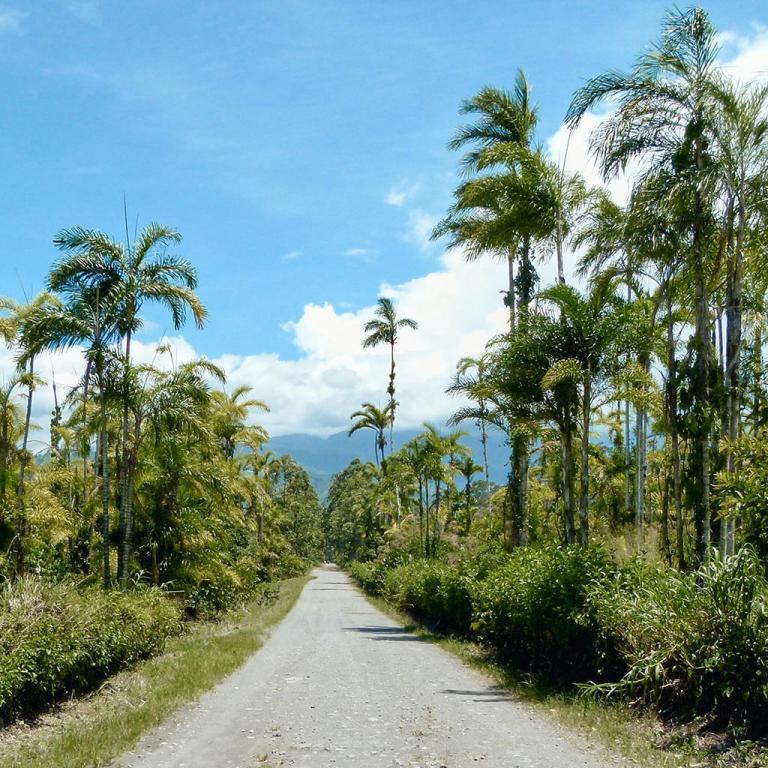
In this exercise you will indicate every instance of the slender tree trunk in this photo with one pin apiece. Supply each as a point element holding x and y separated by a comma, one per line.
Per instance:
<point>627,434</point>
<point>758,382</point>
<point>511,289</point>
<point>484,442</point>
<point>567,440</point>
<point>559,250</point>
<point>586,407</point>
<point>701,392</point>
<point>674,438</point>
<point>123,522</point>
<point>391,393</point>
<point>666,549</point>
<point>104,479</point>
<point>733,354</point>
<point>21,533</point>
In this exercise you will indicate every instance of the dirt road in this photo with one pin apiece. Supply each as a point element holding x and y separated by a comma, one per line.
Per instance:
<point>341,685</point>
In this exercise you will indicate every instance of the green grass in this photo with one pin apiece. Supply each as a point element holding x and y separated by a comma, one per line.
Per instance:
<point>106,724</point>
<point>635,734</point>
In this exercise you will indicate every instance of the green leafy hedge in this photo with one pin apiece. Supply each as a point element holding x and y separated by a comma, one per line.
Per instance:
<point>58,639</point>
<point>433,591</point>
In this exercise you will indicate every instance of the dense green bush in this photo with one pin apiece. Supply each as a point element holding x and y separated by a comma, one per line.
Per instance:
<point>535,611</point>
<point>370,576</point>
<point>695,643</point>
<point>59,639</point>
<point>433,591</point>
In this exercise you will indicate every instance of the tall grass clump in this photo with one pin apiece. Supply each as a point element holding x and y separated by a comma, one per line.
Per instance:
<point>695,643</point>
<point>58,639</point>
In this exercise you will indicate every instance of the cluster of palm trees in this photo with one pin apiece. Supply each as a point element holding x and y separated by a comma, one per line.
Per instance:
<point>674,277</point>
<point>422,491</point>
<point>154,463</point>
<point>623,396</point>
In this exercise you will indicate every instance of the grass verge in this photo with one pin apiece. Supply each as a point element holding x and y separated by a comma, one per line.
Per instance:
<point>95,730</point>
<point>637,735</point>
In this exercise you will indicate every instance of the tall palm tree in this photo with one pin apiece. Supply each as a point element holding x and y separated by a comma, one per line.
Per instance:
<point>376,419</point>
<point>127,277</point>
<point>12,327</point>
<point>479,219</point>
<point>88,318</point>
<point>664,118</point>
<point>383,328</point>
<point>742,131</point>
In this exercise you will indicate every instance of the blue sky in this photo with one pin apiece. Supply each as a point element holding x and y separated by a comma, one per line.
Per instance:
<point>299,147</point>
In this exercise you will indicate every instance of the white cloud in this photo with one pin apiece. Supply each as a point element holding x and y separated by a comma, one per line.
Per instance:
<point>419,230</point>
<point>10,19</point>
<point>746,57</point>
<point>457,306</point>
<point>366,255</point>
<point>291,256</point>
<point>395,198</point>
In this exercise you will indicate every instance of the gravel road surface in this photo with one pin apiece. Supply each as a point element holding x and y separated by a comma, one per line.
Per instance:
<point>340,685</point>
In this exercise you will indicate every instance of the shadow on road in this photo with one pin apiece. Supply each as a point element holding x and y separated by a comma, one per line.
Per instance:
<point>486,695</point>
<point>385,633</point>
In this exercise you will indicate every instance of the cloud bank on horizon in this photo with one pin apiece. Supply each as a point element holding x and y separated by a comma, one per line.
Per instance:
<point>458,307</point>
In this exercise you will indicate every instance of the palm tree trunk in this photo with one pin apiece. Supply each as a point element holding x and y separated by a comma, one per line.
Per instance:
<point>484,443</point>
<point>20,500</point>
<point>586,407</point>
<point>701,459</point>
<point>511,288</point>
<point>567,440</point>
<point>391,392</point>
<point>123,522</point>
<point>104,479</point>
<point>733,352</point>
<point>674,438</point>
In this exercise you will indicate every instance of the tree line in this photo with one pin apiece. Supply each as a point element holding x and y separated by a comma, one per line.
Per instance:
<point>150,471</point>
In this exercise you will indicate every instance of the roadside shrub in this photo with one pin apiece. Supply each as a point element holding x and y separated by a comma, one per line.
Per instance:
<point>695,643</point>
<point>57,639</point>
<point>535,611</point>
<point>433,591</point>
<point>370,576</point>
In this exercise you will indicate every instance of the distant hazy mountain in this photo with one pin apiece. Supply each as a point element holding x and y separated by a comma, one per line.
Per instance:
<point>323,457</point>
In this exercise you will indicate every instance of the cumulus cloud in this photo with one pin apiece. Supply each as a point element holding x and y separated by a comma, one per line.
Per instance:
<point>419,230</point>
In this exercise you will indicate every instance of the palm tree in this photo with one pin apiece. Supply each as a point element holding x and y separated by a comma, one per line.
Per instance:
<point>742,131</point>
<point>86,318</point>
<point>383,328</point>
<point>664,118</point>
<point>230,415</point>
<point>590,326</point>
<point>12,326</point>
<point>376,419</point>
<point>479,220</point>
<point>470,381</point>
<point>127,277</point>
<point>467,468</point>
